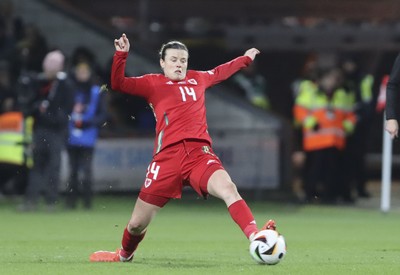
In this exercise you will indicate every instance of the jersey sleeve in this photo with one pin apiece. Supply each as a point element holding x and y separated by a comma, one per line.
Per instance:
<point>393,90</point>
<point>224,71</point>
<point>131,85</point>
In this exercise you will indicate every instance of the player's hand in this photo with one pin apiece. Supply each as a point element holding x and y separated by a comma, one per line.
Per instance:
<point>122,44</point>
<point>252,53</point>
<point>392,127</point>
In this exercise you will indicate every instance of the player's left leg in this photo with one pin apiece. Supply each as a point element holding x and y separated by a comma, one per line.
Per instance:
<point>142,215</point>
<point>145,209</point>
<point>221,186</point>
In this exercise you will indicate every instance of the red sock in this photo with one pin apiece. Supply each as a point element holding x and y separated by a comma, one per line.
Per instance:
<point>130,243</point>
<point>242,215</point>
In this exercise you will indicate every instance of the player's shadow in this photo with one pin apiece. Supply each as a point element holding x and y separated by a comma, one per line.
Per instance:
<point>183,262</point>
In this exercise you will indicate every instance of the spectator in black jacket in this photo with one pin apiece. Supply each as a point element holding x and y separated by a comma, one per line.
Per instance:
<point>48,97</point>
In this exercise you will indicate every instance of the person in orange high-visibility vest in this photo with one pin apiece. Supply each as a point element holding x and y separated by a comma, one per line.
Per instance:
<point>15,138</point>
<point>323,111</point>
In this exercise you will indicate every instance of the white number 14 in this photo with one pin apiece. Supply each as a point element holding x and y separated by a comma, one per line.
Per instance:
<point>189,92</point>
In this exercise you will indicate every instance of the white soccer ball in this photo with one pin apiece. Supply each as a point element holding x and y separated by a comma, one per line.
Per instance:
<point>268,247</point>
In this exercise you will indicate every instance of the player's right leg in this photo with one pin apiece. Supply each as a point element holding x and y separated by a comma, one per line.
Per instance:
<point>221,186</point>
<point>142,215</point>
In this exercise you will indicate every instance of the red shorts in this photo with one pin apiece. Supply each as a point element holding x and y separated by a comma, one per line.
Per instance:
<point>188,162</point>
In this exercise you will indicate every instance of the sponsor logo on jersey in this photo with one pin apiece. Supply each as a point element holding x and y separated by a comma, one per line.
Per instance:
<point>211,161</point>
<point>169,83</point>
<point>210,72</point>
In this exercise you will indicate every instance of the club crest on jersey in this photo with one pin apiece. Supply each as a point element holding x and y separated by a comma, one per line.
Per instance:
<point>147,182</point>
<point>206,149</point>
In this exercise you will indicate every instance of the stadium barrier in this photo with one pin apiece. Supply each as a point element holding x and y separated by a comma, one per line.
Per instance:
<point>251,158</point>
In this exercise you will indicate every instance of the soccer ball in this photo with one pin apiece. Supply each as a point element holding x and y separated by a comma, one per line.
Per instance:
<point>268,247</point>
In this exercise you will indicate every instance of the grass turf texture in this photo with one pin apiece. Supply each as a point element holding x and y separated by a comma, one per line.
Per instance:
<point>198,237</point>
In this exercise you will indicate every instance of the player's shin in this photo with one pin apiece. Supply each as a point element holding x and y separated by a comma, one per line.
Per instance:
<point>242,215</point>
<point>130,243</point>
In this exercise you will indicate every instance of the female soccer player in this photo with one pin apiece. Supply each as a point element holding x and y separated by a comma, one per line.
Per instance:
<point>182,149</point>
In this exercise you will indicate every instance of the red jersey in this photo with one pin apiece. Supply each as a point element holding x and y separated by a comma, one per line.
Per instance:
<point>178,106</point>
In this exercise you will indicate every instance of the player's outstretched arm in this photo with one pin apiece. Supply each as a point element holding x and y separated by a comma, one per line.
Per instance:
<point>252,53</point>
<point>122,44</point>
<point>132,85</point>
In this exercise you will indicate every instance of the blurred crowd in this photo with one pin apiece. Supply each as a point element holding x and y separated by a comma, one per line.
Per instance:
<point>48,104</point>
<point>333,110</point>
<point>334,104</point>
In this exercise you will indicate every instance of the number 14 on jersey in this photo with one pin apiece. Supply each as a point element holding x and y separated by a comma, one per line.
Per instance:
<point>187,91</point>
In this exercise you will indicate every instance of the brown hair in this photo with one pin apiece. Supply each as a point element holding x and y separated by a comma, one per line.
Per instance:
<point>172,45</point>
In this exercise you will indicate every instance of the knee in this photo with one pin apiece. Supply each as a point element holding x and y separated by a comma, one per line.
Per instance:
<point>135,227</point>
<point>227,190</point>
<point>229,187</point>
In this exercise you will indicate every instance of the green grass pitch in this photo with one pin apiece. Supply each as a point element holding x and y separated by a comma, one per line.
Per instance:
<point>193,236</point>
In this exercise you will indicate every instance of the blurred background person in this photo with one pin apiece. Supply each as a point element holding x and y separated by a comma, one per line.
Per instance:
<point>254,86</point>
<point>48,97</point>
<point>88,115</point>
<point>321,109</point>
<point>15,138</point>
<point>31,49</point>
<point>359,87</point>
<point>305,80</point>
<point>82,54</point>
